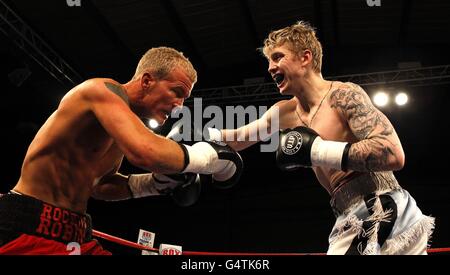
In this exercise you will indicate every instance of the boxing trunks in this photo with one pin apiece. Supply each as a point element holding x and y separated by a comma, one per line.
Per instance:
<point>29,226</point>
<point>378,218</point>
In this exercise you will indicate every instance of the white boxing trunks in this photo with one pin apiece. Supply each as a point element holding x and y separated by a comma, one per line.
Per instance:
<point>383,222</point>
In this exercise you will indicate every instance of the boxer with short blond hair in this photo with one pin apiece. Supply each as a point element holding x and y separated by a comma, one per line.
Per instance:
<point>76,154</point>
<point>333,128</point>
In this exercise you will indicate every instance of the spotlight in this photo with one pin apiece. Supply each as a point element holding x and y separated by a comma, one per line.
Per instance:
<point>381,99</point>
<point>401,99</point>
<point>153,123</point>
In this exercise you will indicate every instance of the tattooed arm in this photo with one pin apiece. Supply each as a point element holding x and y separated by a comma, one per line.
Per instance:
<point>379,148</point>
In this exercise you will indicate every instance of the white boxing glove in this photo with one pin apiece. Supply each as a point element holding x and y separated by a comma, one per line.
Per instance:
<point>215,158</point>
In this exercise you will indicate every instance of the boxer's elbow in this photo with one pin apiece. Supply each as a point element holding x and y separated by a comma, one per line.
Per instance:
<point>97,193</point>
<point>110,192</point>
<point>393,158</point>
<point>398,161</point>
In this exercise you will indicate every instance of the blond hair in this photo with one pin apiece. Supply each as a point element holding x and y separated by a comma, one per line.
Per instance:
<point>299,37</point>
<point>162,60</point>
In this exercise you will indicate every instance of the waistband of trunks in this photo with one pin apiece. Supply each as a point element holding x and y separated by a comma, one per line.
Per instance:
<point>360,186</point>
<point>24,214</point>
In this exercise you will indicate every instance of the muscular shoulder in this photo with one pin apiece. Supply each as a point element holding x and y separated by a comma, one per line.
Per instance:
<point>103,89</point>
<point>349,97</point>
<point>286,106</point>
<point>286,109</point>
<point>363,117</point>
<point>345,90</point>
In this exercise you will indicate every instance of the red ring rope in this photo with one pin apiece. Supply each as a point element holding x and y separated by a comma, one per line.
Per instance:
<point>120,241</point>
<point>124,242</point>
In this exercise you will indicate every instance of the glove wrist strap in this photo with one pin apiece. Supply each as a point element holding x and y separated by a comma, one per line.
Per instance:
<point>186,156</point>
<point>329,154</point>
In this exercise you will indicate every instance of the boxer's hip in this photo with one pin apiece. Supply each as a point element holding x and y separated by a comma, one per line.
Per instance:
<point>382,223</point>
<point>21,214</point>
<point>361,185</point>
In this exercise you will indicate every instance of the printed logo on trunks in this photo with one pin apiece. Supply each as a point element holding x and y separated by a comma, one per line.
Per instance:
<point>61,224</point>
<point>291,143</point>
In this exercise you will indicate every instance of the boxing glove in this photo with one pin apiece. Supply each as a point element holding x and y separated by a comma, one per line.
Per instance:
<point>303,147</point>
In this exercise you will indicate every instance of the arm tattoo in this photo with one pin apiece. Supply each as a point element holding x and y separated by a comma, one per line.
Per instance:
<point>118,90</point>
<point>369,125</point>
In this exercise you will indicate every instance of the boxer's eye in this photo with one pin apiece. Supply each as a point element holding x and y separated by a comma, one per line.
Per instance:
<point>276,57</point>
<point>178,92</point>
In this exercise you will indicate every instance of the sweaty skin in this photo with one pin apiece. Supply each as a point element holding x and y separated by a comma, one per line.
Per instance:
<point>84,141</point>
<point>68,154</point>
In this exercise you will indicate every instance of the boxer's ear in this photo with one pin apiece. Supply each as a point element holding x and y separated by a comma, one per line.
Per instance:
<point>147,80</point>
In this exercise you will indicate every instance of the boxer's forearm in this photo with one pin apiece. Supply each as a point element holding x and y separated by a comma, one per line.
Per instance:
<point>157,154</point>
<point>230,137</point>
<point>112,188</point>
<point>237,139</point>
<point>375,154</point>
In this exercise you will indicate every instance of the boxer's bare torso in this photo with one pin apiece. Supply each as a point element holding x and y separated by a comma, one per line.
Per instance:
<point>328,119</point>
<point>328,123</point>
<point>70,152</point>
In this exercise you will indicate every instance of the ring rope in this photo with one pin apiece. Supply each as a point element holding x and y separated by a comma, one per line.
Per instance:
<point>124,242</point>
<point>121,241</point>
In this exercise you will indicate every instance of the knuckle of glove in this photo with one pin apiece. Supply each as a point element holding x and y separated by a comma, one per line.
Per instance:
<point>188,193</point>
<point>228,168</point>
<point>209,153</point>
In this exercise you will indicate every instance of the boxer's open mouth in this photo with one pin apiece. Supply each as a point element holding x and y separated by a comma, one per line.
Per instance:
<point>278,78</point>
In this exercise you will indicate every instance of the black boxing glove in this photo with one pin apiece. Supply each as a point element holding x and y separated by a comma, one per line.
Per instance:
<point>183,188</point>
<point>232,163</point>
<point>303,147</point>
<point>236,165</point>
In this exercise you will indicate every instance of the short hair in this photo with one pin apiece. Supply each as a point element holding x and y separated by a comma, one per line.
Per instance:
<point>161,61</point>
<point>299,37</point>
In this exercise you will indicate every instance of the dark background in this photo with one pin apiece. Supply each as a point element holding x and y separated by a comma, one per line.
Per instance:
<point>270,210</point>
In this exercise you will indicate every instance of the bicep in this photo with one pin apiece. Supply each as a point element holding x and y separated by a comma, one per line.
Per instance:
<point>109,105</point>
<point>120,123</point>
<point>363,118</point>
<point>140,145</point>
<point>378,148</point>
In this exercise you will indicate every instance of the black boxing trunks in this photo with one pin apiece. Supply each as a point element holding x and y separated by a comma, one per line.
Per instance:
<point>30,226</point>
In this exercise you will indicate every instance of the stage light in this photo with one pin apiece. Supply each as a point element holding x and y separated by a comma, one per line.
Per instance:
<point>153,124</point>
<point>401,99</point>
<point>381,99</point>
